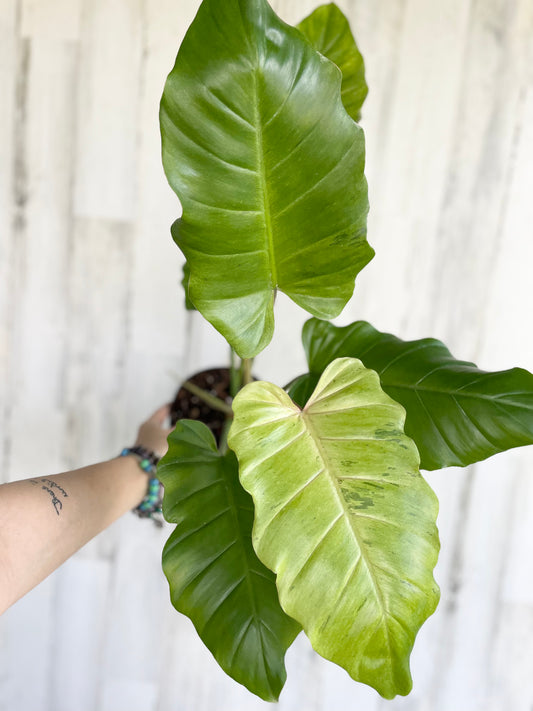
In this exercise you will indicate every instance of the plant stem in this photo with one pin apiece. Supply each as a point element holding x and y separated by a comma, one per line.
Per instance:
<point>247,371</point>
<point>223,444</point>
<point>234,375</point>
<point>215,402</point>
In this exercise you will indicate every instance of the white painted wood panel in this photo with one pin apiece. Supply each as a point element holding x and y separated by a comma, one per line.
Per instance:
<point>41,242</point>
<point>27,631</point>
<point>93,333</point>
<point>8,149</point>
<point>80,619</point>
<point>53,20</point>
<point>107,104</point>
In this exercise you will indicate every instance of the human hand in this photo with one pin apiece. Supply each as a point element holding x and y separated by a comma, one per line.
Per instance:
<point>153,433</point>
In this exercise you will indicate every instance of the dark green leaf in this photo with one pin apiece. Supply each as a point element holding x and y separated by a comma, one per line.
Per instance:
<point>268,167</point>
<point>343,517</point>
<point>214,574</point>
<point>301,388</point>
<point>456,413</point>
<point>329,32</point>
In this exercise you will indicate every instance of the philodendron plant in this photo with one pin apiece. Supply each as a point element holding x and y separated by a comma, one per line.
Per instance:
<point>311,513</point>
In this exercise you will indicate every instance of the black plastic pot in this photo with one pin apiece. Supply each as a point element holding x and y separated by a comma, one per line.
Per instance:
<point>186,405</point>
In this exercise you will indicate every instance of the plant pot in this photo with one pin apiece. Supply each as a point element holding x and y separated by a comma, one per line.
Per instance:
<point>186,405</point>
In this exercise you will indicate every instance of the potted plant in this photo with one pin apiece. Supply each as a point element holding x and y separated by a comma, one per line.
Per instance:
<point>308,511</point>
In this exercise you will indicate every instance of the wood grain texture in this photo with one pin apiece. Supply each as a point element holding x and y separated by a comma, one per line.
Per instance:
<point>110,52</point>
<point>53,20</point>
<point>93,333</point>
<point>80,623</point>
<point>12,106</point>
<point>41,234</point>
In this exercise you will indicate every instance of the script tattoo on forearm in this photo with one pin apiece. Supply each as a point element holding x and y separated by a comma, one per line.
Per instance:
<point>56,492</point>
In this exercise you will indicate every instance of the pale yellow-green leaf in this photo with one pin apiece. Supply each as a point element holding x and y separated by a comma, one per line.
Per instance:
<point>343,517</point>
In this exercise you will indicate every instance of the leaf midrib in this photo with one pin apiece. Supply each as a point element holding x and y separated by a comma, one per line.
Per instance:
<point>261,172</point>
<point>351,520</point>
<point>422,345</point>
<point>453,393</point>
<point>233,506</point>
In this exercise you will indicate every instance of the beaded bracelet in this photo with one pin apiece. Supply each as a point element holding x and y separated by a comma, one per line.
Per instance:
<point>151,503</point>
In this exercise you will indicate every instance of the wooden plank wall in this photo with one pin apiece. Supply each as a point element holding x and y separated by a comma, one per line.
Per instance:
<point>93,334</point>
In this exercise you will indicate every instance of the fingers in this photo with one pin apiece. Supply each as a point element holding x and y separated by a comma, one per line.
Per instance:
<point>153,433</point>
<point>161,416</point>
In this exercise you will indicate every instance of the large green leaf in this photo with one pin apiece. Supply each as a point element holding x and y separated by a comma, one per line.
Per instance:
<point>329,32</point>
<point>268,167</point>
<point>343,517</point>
<point>214,574</point>
<point>456,413</point>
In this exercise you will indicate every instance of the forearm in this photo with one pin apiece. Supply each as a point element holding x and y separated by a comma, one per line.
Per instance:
<point>44,520</point>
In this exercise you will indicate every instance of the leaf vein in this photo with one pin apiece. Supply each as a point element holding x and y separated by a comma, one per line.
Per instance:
<point>203,525</point>
<point>435,426</point>
<point>199,491</point>
<point>229,592</point>
<point>209,565</point>
<point>402,355</point>
<point>297,75</point>
<point>316,546</point>
<point>315,185</point>
<point>293,497</point>
<point>475,424</point>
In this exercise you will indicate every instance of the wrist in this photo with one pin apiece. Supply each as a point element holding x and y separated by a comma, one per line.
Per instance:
<point>134,478</point>
<point>146,458</point>
<point>146,461</point>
